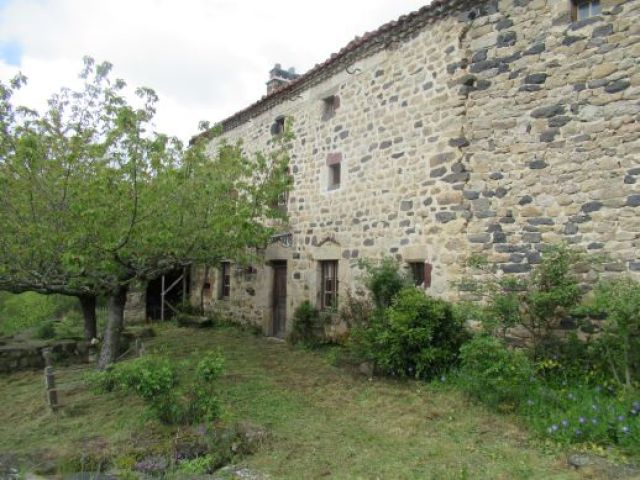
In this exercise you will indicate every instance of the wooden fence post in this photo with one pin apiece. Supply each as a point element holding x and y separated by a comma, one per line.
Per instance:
<point>50,381</point>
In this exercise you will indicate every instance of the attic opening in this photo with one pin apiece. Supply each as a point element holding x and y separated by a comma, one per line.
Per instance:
<point>278,126</point>
<point>329,106</point>
<point>175,285</point>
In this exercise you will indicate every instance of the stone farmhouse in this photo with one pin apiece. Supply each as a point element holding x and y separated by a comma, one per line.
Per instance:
<point>490,127</point>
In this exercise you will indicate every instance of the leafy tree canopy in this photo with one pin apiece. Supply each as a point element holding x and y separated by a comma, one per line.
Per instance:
<point>94,198</point>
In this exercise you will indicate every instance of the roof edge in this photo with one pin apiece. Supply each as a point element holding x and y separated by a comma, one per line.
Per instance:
<point>400,30</point>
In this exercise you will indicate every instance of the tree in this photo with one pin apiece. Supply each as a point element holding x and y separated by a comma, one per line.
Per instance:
<point>97,200</point>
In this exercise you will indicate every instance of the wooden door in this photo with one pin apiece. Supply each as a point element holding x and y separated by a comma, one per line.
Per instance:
<point>279,299</point>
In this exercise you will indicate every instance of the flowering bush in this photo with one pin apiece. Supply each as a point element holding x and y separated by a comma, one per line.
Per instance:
<point>582,414</point>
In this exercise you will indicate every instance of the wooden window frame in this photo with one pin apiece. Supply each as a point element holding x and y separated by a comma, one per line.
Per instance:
<point>225,281</point>
<point>575,9</point>
<point>329,296</point>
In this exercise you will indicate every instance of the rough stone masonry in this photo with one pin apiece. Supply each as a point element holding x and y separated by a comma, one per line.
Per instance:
<point>489,127</point>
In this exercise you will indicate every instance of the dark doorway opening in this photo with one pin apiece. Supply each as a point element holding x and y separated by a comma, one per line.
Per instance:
<point>173,296</point>
<point>279,298</point>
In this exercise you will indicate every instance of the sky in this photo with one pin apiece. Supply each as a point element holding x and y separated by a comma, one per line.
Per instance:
<point>206,59</point>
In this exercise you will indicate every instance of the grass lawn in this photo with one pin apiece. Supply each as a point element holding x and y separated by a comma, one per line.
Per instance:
<point>325,422</point>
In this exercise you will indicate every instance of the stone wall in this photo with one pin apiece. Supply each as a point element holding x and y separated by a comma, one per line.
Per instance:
<point>496,128</point>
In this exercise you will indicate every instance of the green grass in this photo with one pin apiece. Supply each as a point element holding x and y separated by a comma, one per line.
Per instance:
<point>325,422</point>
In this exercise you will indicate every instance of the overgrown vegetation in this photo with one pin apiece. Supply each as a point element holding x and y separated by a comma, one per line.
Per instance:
<point>307,329</point>
<point>155,380</point>
<point>404,333</point>
<point>323,422</point>
<point>32,310</point>
<point>575,388</point>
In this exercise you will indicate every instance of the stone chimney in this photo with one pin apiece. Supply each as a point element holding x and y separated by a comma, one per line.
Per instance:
<point>278,77</point>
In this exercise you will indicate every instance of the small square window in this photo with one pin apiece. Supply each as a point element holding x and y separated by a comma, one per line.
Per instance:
<point>421,274</point>
<point>329,106</point>
<point>278,126</point>
<point>583,9</point>
<point>334,176</point>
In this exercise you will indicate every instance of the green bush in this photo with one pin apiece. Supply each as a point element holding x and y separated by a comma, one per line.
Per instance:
<point>619,301</point>
<point>493,373</point>
<point>416,336</point>
<point>210,367</point>
<point>384,281</point>
<point>156,381</point>
<point>307,326</point>
<point>537,302</point>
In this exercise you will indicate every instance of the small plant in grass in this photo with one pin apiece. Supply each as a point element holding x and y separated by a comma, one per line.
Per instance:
<point>155,380</point>
<point>575,413</point>
<point>199,465</point>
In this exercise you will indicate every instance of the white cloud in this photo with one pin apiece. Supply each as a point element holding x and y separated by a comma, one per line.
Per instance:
<point>205,58</point>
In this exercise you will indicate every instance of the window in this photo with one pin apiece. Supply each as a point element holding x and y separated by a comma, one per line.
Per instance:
<point>583,9</point>
<point>421,273</point>
<point>334,176</point>
<point>333,163</point>
<point>329,106</point>
<point>278,126</point>
<point>329,284</point>
<point>225,280</point>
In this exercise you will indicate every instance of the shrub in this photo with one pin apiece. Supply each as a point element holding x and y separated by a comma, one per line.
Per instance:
<point>537,302</point>
<point>210,367</point>
<point>155,380</point>
<point>307,326</point>
<point>417,336</point>
<point>619,301</point>
<point>384,281</point>
<point>493,373</point>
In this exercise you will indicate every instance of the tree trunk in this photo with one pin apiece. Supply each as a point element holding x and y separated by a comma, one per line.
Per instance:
<point>88,304</point>
<point>115,323</point>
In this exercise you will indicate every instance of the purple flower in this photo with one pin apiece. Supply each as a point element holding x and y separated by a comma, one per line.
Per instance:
<point>553,428</point>
<point>565,423</point>
<point>594,421</point>
<point>636,405</point>
<point>582,420</point>
<point>621,418</point>
<point>634,412</point>
<point>626,429</point>
<point>578,432</point>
